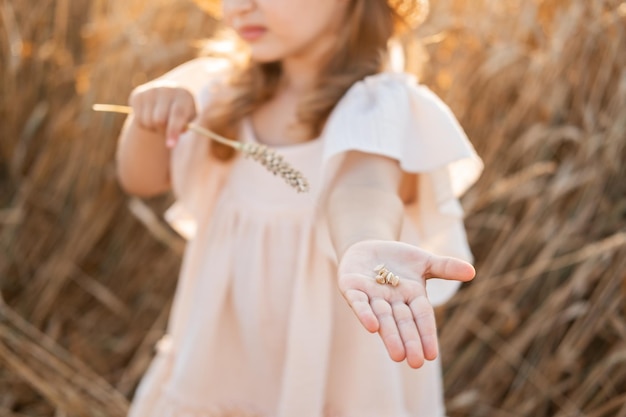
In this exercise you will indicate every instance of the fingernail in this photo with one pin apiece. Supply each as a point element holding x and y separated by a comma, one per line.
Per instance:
<point>170,142</point>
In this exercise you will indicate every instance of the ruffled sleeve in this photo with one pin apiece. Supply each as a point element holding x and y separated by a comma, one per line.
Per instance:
<point>196,177</point>
<point>390,114</point>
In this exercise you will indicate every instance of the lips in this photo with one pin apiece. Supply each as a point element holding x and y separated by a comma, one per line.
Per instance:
<point>251,33</point>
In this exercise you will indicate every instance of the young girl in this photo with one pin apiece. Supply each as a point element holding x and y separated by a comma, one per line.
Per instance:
<point>280,291</point>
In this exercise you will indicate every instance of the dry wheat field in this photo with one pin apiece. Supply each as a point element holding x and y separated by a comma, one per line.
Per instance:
<point>87,274</point>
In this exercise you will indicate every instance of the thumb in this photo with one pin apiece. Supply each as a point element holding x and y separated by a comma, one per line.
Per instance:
<point>449,268</point>
<point>177,123</point>
<point>174,129</point>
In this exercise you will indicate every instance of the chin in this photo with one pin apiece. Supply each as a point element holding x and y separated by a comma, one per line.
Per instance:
<point>264,54</point>
<point>265,58</point>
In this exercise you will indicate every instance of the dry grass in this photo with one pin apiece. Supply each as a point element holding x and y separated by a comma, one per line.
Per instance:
<point>540,86</point>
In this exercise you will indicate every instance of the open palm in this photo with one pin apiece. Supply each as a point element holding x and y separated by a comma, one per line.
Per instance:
<point>402,315</point>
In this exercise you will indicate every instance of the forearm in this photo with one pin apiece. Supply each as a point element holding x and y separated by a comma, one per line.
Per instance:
<point>161,111</point>
<point>364,203</point>
<point>357,213</point>
<point>142,161</point>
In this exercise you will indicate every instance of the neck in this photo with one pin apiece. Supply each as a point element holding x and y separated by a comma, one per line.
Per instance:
<point>300,72</point>
<point>298,76</point>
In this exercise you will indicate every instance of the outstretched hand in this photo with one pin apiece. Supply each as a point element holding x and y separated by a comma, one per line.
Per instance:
<point>402,315</point>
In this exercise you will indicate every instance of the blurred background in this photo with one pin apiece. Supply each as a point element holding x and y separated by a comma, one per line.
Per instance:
<point>87,273</point>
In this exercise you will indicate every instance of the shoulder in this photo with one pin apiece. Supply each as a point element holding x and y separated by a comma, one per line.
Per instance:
<point>387,96</point>
<point>395,98</point>
<point>383,99</point>
<point>391,114</point>
<point>379,87</point>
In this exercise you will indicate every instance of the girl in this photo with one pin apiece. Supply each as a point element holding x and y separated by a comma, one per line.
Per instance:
<point>258,327</point>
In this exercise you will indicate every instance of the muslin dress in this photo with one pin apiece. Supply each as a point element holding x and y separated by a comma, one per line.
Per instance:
<point>258,326</point>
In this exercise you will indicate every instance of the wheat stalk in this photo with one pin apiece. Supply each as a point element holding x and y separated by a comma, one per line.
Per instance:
<point>273,162</point>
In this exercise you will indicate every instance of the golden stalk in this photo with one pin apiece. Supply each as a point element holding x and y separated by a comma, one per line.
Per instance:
<point>260,153</point>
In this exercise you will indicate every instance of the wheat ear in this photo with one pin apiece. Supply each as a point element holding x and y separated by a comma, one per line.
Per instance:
<point>273,162</point>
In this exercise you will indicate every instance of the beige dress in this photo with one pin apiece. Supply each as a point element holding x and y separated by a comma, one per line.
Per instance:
<point>258,327</point>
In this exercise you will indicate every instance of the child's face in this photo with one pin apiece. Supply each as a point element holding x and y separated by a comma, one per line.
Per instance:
<point>277,30</point>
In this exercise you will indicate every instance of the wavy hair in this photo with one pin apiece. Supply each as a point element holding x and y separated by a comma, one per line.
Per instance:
<point>361,50</point>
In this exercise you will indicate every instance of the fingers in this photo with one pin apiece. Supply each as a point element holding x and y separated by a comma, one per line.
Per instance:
<point>449,268</point>
<point>424,317</point>
<point>179,116</point>
<point>388,329</point>
<point>163,109</point>
<point>160,114</point>
<point>409,334</point>
<point>402,316</point>
<point>359,302</point>
<point>399,326</point>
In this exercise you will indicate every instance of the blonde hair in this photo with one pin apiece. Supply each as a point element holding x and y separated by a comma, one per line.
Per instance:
<point>360,51</point>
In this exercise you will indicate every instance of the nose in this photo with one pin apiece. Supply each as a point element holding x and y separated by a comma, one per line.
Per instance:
<point>232,8</point>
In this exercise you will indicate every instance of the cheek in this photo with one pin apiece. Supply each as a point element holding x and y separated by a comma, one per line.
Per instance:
<point>293,33</point>
<point>292,19</point>
<point>286,34</point>
<point>282,23</point>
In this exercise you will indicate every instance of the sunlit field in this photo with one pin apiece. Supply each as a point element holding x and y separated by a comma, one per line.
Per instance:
<point>87,273</point>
